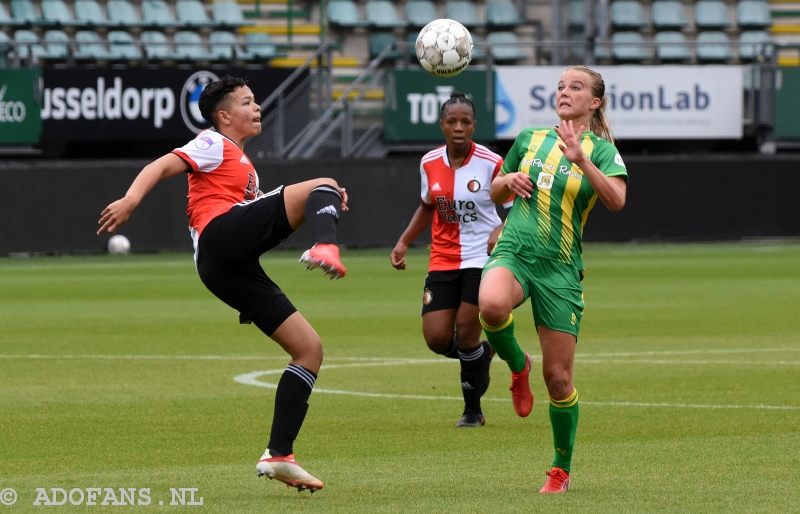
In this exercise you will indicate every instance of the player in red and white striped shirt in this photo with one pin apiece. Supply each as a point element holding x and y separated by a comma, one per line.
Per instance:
<point>456,179</point>
<point>232,223</point>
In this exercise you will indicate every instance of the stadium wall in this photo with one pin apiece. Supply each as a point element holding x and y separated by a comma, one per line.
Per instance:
<point>52,207</point>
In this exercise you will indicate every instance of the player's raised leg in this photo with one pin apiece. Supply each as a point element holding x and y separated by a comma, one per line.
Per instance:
<point>500,292</point>
<point>318,202</point>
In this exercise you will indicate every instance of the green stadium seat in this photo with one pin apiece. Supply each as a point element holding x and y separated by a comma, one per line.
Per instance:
<point>576,13</point>
<point>464,13</point>
<point>420,12</point>
<point>753,43</point>
<point>90,46</point>
<point>711,14</point>
<point>90,13</point>
<point>156,13</point>
<point>382,14</point>
<point>344,14</point>
<point>7,21</point>
<point>192,13</point>
<point>189,46</point>
<point>505,47</point>
<point>669,15</point>
<point>672,46</point>
<point>713,46</point>
<point>55,46</point>
<point>156,46</point>
<point>628,14</point>
<point>223,46</point>
<point>630,46</point>
<point>27,44</point>
<point>56,12</point>
<point>502,14</point>
<point>753,14</point>
<point>259,45</point>
<point>228,14</point>
<point>122,46</point>
<point>122,13</point>
<point>25,13</point>
<point>379,41</point>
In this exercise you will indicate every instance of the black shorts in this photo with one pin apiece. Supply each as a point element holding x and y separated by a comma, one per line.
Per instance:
<point>447,289</point>
<point>227,259</point>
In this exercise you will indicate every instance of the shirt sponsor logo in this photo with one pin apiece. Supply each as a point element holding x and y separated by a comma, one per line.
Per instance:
<point>203,143</point>
<point>618,160</point>
<point>545,180</point>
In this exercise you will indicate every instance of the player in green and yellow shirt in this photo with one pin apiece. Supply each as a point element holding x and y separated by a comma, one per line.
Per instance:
<point>557,175</point>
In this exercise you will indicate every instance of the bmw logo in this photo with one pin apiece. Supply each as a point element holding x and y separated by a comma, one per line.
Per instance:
<point>190,96</point>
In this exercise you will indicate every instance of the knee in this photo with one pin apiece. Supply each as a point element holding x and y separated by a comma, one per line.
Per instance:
<point>558,383</point>
<point>438,341</point>
<point>494,311</point>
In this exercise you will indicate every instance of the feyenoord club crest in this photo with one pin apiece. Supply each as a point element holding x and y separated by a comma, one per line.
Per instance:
<point>473,186</point>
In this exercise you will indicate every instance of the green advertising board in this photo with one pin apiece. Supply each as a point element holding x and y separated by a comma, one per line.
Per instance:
<point>787,104</point>
<point>413,99</point>
<point>20,105</point>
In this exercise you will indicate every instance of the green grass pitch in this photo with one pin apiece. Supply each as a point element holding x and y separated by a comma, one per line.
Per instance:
<point>121,372</point>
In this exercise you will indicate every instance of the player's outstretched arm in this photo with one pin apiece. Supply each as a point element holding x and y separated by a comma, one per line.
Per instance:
<point>419,222</point>
<point>117,213</point>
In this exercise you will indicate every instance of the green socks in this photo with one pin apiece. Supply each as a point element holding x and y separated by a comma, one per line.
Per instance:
<point>564,420</point>
<point>502,339</point>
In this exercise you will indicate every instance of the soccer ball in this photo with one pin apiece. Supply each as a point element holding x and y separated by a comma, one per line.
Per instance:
<point>119,245</point>
<point>444,47</point>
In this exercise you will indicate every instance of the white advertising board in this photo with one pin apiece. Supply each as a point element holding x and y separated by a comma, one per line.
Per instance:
<point>645,102</point>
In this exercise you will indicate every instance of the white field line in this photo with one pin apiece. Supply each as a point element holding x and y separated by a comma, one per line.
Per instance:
<point>252,379</point>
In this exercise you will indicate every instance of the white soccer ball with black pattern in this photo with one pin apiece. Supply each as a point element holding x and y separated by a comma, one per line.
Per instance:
<point>119,245</point>
<point>444,47</point>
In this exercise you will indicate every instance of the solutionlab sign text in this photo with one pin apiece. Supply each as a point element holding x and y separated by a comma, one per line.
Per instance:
<point>644,102</point>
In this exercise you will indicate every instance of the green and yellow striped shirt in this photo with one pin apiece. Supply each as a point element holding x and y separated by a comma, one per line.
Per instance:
<point>550,223</point>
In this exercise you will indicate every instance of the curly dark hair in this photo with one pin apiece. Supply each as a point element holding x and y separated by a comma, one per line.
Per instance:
<point>214,93</point>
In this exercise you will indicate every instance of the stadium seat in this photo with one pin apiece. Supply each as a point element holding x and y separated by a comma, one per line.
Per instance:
<point>576,13</point>
<point>24,13</point>
<point>505,47</point>
<point>420,12</point>
<point>155,45</point>
<point>156,13</point>
<point>464,13</point>
<point>56,12</point>
<point>711,14</point>
<point>602,50</point>
<point>90,46</point>
<point>55,46</point>
<point>259,46</point>
<point>6,20</point>
<point>378,41</point>
<point>223,46</point>
<point>478,53</point>
<point>672,46</point>
<point>90,14</point>
<point>382,14</point>
<point>753,14</point>
<point>502,14</point>
<point>344,14</point>
<point>190,46</point>
<point>5,48</point>
<point>192,13</point>
<point>628,14</point>
<point>122,47</point>
<point>753,43</point>
<point>27,43</point>
<point>122,13</point>
<point>630,46</point>
<point>669,15</point>
<point>227,14</point>
<point>713,46</point>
